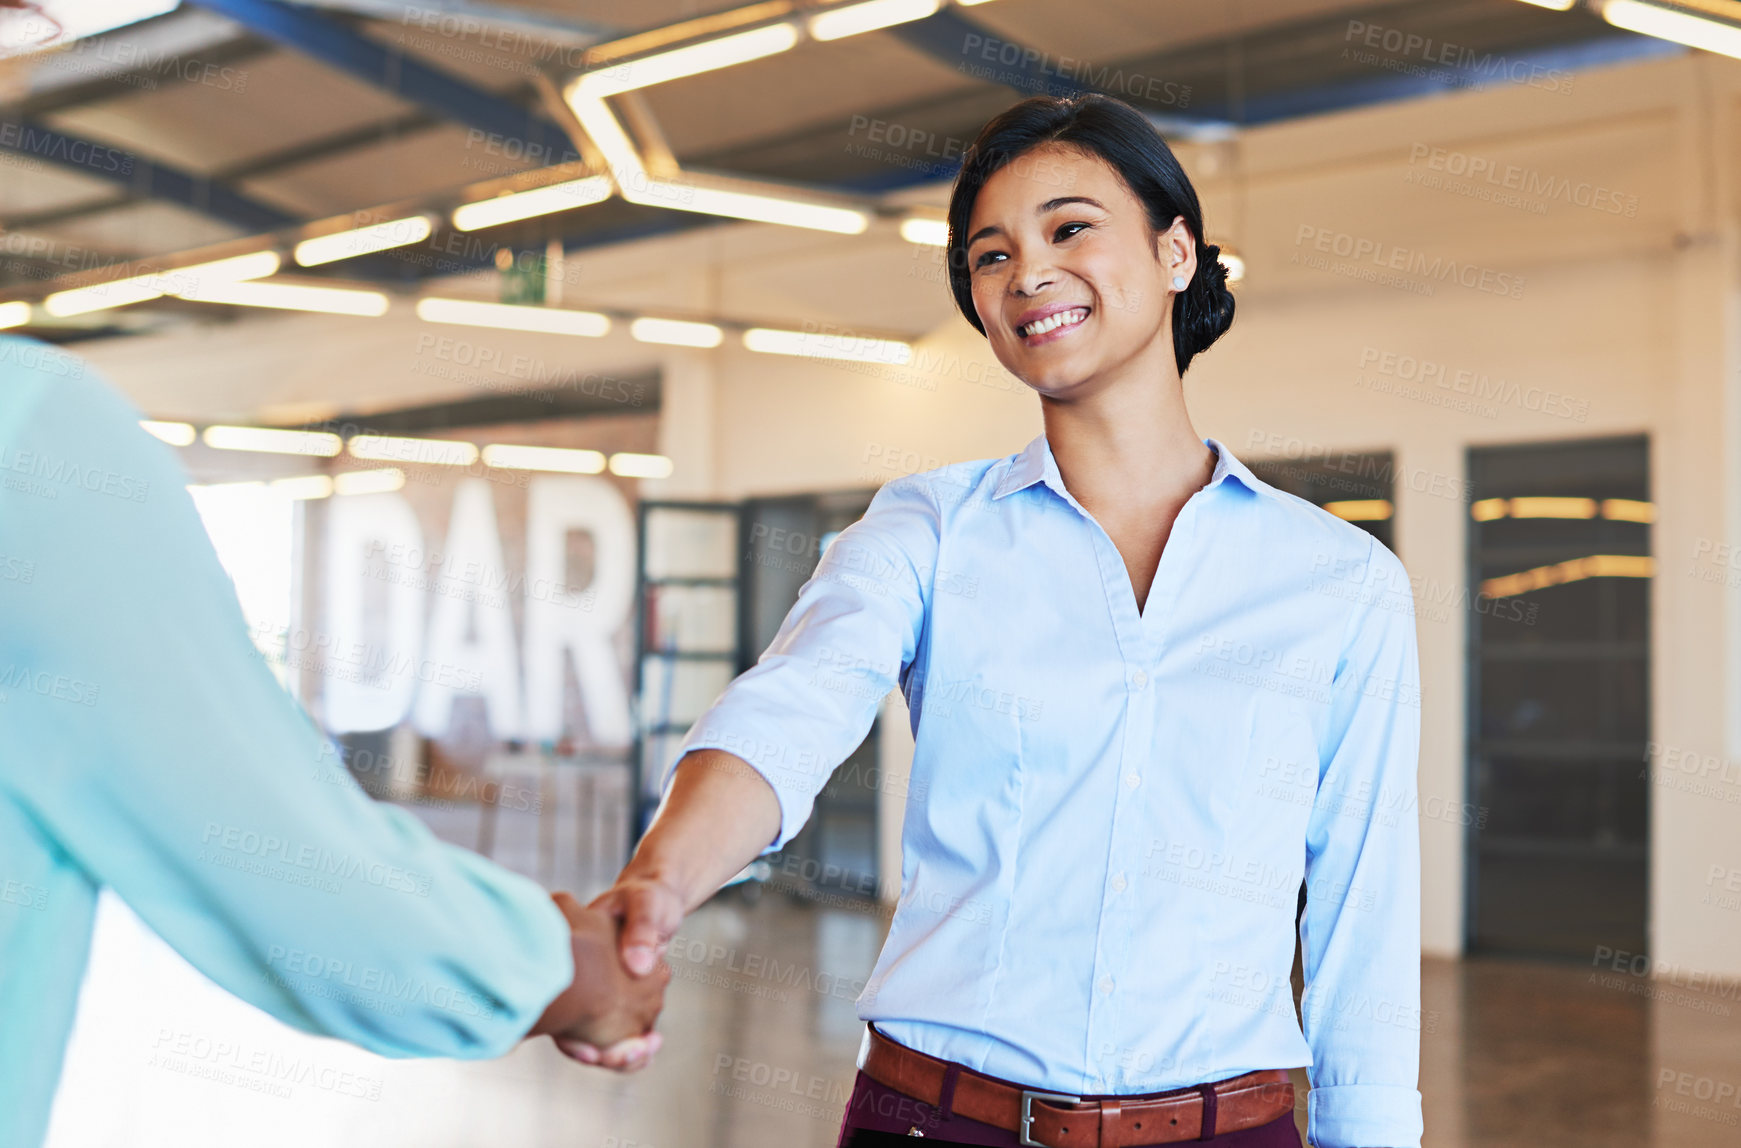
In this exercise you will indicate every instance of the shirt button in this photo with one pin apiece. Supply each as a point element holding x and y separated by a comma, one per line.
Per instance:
<point>1105,985</point>
<point>1118,883</point>
<point>1131,781</point>
<point>1139,679</point>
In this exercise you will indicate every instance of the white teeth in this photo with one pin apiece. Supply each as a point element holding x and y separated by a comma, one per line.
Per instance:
<point>1053,322</point>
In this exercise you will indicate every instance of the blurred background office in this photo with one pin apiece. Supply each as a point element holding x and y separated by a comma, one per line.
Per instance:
<point>524,355</point>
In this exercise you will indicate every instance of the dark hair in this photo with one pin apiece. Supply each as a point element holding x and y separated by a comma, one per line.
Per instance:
<point>1123,137</point>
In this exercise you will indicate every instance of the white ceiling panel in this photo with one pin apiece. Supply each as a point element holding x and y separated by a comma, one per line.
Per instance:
<point>29,185</point>
<point>145,227</point>
<point>813,84</point>
<point>1105,32</point>
<point>430,161</point>
<point>243,110</point>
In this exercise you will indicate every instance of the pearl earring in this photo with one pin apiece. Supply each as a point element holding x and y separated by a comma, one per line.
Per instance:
<point>1178,282</point>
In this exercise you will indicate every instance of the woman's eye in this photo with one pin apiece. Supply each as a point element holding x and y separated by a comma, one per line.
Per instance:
<point>985,257</point>
<point>1067,231</point>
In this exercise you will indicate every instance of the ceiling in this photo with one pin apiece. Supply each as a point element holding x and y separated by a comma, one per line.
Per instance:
<point>231,118</point>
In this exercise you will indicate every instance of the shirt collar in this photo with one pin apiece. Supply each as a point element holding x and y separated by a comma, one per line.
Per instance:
<point>1036,464</point>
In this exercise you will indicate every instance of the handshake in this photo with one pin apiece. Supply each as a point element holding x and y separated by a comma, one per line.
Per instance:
<point>605,1016</point>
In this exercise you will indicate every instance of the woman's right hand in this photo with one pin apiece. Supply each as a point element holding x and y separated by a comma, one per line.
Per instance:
<point>648,913</point>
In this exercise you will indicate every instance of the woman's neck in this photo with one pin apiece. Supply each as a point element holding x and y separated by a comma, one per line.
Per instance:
<point>1129,445</point>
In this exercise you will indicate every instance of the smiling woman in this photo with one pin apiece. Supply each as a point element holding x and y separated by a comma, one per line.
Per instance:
<point>1103,224</point>
<point>1119,784</point>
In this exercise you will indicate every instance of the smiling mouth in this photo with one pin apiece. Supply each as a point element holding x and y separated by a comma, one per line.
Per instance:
<point>1056,321</point>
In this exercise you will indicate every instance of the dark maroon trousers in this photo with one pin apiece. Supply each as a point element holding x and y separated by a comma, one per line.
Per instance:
<point>877,1116</point>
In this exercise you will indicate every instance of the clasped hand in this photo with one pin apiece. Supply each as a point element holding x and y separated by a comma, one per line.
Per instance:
<point>606,1015</point>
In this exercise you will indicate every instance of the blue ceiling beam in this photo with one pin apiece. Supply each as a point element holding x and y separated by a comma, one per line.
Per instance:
<point>959,44</point>
<point>142,177</point>
<point>449,96</point>
<point>1545,68</point>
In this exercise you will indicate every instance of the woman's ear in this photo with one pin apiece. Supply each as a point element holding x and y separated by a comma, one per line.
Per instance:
<point>1177,249</point>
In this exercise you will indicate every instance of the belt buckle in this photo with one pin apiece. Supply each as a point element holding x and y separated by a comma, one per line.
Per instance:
<point>1028,1098</point>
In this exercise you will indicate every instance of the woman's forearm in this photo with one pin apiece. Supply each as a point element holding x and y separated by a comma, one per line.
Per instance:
<point>718,817</point>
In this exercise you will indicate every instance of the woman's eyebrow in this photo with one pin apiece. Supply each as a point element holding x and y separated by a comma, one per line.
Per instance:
<point>1050,204</point>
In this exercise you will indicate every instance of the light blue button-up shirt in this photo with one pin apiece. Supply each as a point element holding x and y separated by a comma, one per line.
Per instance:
<point>146,746</point>
<point>1111,813</point>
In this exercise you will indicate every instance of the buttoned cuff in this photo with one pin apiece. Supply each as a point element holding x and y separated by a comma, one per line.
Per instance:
<point>1364,1116</point>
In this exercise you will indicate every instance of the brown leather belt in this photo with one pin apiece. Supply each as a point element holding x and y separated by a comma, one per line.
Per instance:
<point>1051,1120</point>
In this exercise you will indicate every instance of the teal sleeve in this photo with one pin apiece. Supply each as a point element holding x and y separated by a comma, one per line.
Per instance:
<point>145,736</point>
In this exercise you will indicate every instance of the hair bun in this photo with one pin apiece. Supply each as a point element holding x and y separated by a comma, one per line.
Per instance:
<point>1210,263</point>
<point>1204,310</point>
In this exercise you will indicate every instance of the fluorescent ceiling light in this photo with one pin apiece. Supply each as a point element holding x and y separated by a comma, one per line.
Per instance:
<point>431,451</point>
<point>509,317</point>
<point>1551,507</point>
<point>303,486</point>
<point>685,195</point>
<point>930,232</point>
<point>607,135</point>
<point>543,458</point>
<point>529,204</point>
<point>101,297</point>
<point>14,314</point>
<point>1575,570</point>
<point>1556,5</point>
<point>1614,509</point>
<point>290,297</point>
<point>1681,27</point>
<point>273,441</point>
<point>50,22</point>
<point>631,465</point>
<point>1360,509</point>
<point>383,481</point>
<point>362,240</point>
<point>1628,510</point>
<point>139,288</point>
<point>676,332</point>
<point>738,48</point>
<point>815,345</point>
<point>866,17</point>
<point>175,434</point>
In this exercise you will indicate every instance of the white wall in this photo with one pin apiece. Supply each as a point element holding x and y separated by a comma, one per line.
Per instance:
<point>1632,317</point>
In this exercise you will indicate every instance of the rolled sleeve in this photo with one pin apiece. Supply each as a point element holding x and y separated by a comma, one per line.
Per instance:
<point>1360,934</point>
<point>811,697</point>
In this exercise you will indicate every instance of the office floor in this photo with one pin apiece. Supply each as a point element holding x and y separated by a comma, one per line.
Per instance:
<point>760,1044</point>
